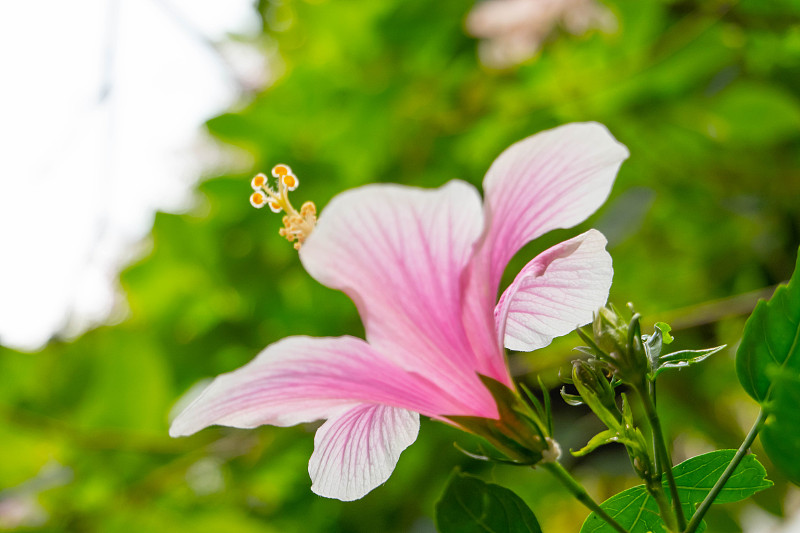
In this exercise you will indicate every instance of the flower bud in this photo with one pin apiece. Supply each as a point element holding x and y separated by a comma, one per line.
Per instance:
<point>595,390</point>
<point>621,344</point>
<point>610,330</point>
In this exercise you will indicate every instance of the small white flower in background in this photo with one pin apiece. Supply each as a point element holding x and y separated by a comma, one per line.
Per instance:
<point>514,30</point>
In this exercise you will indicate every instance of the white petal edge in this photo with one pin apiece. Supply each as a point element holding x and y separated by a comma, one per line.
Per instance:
<point>358,449</point>
<point>556,292</point>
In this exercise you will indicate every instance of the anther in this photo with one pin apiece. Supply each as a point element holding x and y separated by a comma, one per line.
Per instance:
<point>297,226</point>
<point>281,170</point>
<point>258,182</point>
<point>291,181</point>
<point>258,199</point>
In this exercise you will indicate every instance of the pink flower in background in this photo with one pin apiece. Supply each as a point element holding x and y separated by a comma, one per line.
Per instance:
<point>423,266</point>
<point>514,30</point>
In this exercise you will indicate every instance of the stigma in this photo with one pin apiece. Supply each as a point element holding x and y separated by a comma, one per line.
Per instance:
<point>297,225</point>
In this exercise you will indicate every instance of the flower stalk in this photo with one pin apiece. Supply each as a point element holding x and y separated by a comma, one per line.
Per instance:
<point>662,454</point>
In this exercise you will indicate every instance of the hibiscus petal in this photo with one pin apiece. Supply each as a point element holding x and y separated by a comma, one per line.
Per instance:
<point>301,379</point>
<point>556,292</point>
<point>554,179</point>
<point>357,450</point>
<point>399,253</point>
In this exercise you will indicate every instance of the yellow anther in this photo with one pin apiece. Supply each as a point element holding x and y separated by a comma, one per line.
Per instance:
<point>291,181</point>
<point>297,226</point>
<point>258,199</point>
<point>281,170</point>
<point>259,182</point>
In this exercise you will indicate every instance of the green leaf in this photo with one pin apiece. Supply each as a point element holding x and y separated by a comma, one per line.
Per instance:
<point>665,328</point>
<point>637,511</point>
<point>771,340</point>
<point>780,435</point>
<point>470,505</point>
<point>768,366</point>
<point>608,436</point>
<point>683,359</point>
<point>655,342</point>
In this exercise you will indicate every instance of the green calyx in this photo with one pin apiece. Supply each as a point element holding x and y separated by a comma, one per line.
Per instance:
<point>521,435</point>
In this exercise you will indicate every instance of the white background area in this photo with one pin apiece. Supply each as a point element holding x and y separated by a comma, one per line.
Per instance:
<point>101,107</point>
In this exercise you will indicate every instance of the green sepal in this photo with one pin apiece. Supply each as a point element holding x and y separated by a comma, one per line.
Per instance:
<point>585,350</point>
<point>485,455</point>
<point>548,409</point>
<point>519,433</point>
<point>572,399</point>
<point>540,410</point>
<point>593,349</point>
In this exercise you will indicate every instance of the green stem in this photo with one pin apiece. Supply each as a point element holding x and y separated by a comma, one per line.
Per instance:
<point>715,490</point>
<point>581,495</point>
<point>656,490</point>
<point>662,454</point>
<point>656,460</point>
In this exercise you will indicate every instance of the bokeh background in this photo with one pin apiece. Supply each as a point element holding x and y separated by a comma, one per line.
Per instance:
<point>109,313</point>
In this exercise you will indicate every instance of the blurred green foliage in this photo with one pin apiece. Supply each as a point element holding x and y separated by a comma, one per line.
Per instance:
<point>705,95</point>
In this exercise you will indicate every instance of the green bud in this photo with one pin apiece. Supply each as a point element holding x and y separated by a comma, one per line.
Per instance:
<point>596,391</point>
<point>621,344</point>
<point>610,330</point>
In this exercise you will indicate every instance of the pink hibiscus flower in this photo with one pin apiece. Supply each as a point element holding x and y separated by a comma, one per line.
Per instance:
<point>423,266</point>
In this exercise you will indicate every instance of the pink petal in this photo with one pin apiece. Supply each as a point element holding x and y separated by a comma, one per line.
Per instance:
<point>556,292</point>
<point>301,379</point>
<point>554,179</point>
<point>399,253</point>
<point>357,450</point>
